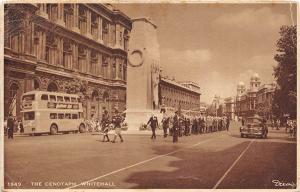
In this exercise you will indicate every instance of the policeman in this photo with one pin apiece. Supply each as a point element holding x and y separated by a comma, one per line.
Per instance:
<point>117,120</point>
<point>153,124</point>
<point>105,125</point>
<point>175,127</point>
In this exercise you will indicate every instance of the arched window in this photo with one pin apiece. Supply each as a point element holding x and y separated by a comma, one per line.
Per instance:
<point>105,97</point>
<point>13,106</point>
<point>36,84</point>
<point>126,39</point>
<point>95,96</point>
<point>52,87</point>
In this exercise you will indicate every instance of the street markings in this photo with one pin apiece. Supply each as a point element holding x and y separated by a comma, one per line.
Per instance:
<point>142,162</point>
<point>233,164</point>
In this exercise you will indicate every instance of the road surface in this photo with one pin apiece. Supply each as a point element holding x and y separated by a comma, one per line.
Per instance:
<point>213,160</point>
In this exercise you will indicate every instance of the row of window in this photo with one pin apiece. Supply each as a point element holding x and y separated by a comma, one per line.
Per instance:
<point>64,115</point>
<point>46,97</point>
<point>107,29</point>
<point>95,65</point>
<point>175,91</point>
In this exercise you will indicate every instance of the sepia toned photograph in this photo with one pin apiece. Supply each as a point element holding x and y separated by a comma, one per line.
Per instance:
<point>161,95</point>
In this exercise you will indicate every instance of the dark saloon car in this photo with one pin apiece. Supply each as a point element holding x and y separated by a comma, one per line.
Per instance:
<point>254,126</point>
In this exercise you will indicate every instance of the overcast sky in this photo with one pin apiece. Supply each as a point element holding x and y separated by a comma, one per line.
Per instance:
<point>216,45</point>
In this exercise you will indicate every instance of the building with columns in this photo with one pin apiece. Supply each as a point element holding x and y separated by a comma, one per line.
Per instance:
<point>229,107</point>
<point>72,48</point>
<point>255,100</point>
<point>185,95</point>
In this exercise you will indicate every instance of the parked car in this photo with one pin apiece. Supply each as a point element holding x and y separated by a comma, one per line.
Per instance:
<point>254,126</point>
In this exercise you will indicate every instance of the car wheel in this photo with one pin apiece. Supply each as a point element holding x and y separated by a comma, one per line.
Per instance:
<point>53,129</point>
<point>242,135</point>
<point>81,128</point>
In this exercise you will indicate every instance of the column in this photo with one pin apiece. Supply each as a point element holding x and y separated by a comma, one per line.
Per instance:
<point>89,24</point>
<point>43,45</point>
<point>117,68</point>
<point>108,68</point>
<point>100,40</point>
<point>87,61</point>
<point>60,50</point>
<point>27,34</point>
<point>99,64</point>
<point>74,57</point>
<point>117,34</point>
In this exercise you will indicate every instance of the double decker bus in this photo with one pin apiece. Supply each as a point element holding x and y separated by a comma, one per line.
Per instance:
<point>52,113</point>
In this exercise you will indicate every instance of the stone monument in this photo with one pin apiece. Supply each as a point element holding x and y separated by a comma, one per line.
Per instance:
<point>143,73</point>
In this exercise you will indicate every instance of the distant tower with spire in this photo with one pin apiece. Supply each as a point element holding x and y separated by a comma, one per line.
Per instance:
<point>241,88</point>
<point>255,82</point>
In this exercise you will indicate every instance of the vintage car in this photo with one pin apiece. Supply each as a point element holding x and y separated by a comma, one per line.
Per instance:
<point>254,126</point>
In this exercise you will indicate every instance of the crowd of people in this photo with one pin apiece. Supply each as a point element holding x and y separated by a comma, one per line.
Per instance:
<point>114,123</point>
<point>180,125</point>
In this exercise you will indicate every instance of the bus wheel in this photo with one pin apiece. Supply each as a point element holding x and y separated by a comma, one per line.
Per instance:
<point>81,128</point>
<point>53,129</point>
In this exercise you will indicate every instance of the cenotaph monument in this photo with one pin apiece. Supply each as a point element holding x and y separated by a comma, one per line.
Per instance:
<point>142,73</point>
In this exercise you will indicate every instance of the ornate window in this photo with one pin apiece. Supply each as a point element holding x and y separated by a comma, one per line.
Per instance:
<point>82,20</point>
<point>81,58</point>
<point>50,48</point>
<point>105,60</point>
<point>94,26</point>
<point>93,63</point>
<point>67,54</point>
<point>114,71</point>
<point>68,12</point>
<point>126,39</point>
<point>105,28</point>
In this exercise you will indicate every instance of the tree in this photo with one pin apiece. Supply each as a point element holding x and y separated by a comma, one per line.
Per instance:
<point>285,73</point>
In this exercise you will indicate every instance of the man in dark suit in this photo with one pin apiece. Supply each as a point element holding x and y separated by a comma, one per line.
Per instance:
<point>105,125</point>
<point>10,126</point>
<point>165,124</point>
<point>117,121</point>
<point>153,124</point>
<point>175,127</point>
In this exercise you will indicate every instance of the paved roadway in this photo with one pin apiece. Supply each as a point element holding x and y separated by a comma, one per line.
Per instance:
<point>216,160</point>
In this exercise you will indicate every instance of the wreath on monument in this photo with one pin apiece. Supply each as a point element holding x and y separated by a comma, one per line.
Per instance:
<point>136,63</point>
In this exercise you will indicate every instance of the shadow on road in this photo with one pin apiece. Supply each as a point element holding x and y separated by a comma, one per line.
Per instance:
<point>201,169</point>
<point>196,169</point>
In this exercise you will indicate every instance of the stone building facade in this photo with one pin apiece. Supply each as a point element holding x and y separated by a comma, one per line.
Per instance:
<point>72,48</point>
<point>229,107</point>
<point>184,94</point>
<point>255,100</point>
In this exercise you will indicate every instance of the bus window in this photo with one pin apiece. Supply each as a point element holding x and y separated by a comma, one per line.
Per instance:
<point>67,116</point>
<point>73,99</point>
<point>53,116</point>
<point>60,116</point>
<point>44,97</point>
<point>29,116</point>
<point>67,99</point>
<point>74,116</point>
<point>28,98</point>
<point>60,98</point>
<point>52,98</point>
